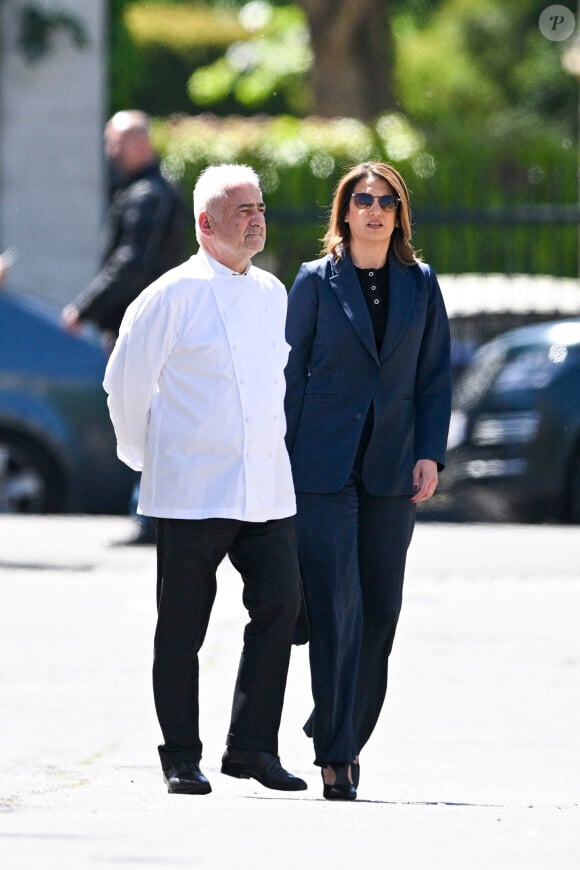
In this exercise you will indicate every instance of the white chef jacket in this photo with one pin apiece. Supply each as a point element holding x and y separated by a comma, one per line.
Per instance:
<point>196,394</point>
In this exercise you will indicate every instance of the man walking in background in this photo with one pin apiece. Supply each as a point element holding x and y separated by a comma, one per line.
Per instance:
<point>145,228</point>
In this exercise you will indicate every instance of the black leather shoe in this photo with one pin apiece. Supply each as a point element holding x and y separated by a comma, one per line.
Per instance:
<point>342,789</point>
<point>186,778</point>
<point>263,766</point>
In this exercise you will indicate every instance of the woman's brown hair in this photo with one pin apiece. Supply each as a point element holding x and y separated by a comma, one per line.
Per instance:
<point>337,235</point>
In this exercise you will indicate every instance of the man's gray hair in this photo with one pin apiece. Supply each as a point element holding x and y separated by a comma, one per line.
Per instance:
<point>213,183</point>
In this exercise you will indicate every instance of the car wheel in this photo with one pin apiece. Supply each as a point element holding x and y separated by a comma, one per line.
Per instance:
<point>573,500</point>
<point>30,482</point>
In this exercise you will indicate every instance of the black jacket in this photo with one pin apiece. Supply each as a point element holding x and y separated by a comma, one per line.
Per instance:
<point>144,236</point>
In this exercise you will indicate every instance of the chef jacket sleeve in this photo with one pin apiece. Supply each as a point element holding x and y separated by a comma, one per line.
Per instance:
<point>146,338</point>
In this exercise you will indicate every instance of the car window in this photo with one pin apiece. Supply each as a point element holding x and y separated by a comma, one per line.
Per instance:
<point>479,376</point>
<point>499,368</point>
<point>531,368</point>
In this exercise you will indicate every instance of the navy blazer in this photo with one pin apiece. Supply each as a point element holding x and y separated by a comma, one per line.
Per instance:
<point>334,375</point>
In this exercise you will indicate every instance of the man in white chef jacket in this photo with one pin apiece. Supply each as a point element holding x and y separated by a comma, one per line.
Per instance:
<point>196,390</point>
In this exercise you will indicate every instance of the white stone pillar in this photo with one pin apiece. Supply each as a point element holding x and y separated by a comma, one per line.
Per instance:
<point>51,163</point>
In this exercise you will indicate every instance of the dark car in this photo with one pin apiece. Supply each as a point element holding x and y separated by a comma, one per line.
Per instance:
<point>57,446</point>
<point>514,443</point>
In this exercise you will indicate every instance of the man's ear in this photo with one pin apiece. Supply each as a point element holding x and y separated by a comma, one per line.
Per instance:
<point>205,223</point>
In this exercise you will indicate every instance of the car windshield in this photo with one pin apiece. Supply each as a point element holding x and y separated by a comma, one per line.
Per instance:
<point>503,369</point>
<point>530,368</point>
<point>479,376</point>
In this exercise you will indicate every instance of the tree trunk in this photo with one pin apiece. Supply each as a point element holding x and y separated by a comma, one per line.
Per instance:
<point>352,44</point>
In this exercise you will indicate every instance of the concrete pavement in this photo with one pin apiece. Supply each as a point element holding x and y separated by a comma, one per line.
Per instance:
<point>475,762</point>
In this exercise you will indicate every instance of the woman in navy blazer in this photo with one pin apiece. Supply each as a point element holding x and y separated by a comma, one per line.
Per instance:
<point>368,402</point>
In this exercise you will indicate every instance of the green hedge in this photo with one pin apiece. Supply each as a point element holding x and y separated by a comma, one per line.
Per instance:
<point>494,206</point>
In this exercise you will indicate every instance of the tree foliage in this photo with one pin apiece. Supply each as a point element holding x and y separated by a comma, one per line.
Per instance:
<point>483,66</point>
<point>274,56</point>
<point>452,66</point>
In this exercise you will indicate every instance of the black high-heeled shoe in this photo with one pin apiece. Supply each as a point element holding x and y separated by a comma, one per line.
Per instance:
<point>342,789</point>
<point>355,772</point>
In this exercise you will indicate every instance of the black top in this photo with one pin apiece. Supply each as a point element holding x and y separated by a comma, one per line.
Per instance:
<point>375,287</point>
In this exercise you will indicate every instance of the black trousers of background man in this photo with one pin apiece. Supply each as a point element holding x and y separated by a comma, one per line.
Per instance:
<point>188,555</point>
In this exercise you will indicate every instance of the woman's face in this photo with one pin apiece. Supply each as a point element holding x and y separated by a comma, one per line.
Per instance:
<point>373,224</point>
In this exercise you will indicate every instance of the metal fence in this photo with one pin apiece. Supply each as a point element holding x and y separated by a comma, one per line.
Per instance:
<point>534,239</point>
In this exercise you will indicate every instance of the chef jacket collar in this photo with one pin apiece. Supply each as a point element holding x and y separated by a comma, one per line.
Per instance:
<point>220,269</point>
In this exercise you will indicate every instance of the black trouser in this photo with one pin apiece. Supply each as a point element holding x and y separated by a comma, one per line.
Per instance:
<point>352,548</point>
<point>188,555</point>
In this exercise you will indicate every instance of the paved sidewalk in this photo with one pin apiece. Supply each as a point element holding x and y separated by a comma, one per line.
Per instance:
<point>475,763</point>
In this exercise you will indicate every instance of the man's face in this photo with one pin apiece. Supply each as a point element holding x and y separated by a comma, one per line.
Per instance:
<point>120,148</point>
<point>234,228</point>
<point>114,145</point>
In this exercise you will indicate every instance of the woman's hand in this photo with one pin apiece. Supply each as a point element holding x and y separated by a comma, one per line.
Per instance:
<point>425,479</point>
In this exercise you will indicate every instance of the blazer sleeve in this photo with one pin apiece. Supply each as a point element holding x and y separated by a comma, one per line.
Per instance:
<point>433,380</point>
<point>301,322</point>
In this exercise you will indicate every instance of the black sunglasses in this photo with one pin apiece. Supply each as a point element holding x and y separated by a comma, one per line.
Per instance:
<point>387,202</point>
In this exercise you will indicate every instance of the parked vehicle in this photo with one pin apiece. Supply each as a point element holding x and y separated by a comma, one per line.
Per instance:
<point>514,441</point>
<point>57,447</point>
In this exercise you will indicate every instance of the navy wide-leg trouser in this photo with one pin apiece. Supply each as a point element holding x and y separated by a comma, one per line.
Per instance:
<point>352,550</point>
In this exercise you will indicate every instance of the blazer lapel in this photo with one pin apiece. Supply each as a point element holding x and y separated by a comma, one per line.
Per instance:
<point>402,292</point>
<point>346,285</point>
